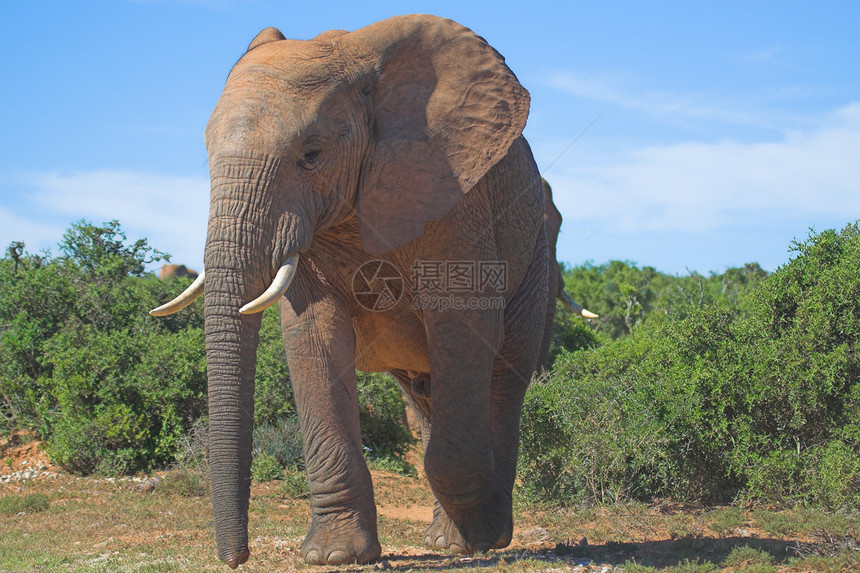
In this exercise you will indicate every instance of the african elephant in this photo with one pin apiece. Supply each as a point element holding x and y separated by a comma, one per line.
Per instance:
<point>377,185</point>
<point>170,271</point>
<point>555,277</point>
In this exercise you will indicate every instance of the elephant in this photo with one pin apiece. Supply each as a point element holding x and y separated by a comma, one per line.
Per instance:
<point>555,277</point>
<point>377,186</point>
<point>170,271</point>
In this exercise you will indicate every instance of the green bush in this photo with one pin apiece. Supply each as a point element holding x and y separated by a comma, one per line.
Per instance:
<point>281,441</point>
<point>184,483</point>
<point>627,297</point>
<point>294,482</point>
<point>273,394</point>
<point>265,467</point>
<point>570,333</point>
<point>119,401</point>
<point>381,414</point>
<point>81,362</point>
<point>756,397</point>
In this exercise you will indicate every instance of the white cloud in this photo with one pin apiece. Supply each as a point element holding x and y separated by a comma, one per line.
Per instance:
<point>703,186</point>
<point>169,211</point>
<point>614,89</point>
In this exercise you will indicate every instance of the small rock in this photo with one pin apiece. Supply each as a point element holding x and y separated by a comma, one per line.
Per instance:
<point>382,566</point>
<point>535,535</point>
<point>148,484</point>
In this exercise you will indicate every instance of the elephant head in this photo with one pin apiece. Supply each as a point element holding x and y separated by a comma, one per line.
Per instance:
<point>170,271</point>
<point>391,124</point>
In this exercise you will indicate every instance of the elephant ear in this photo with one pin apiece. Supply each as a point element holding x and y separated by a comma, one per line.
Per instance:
<point>265,36</point>
<point>445,109</point>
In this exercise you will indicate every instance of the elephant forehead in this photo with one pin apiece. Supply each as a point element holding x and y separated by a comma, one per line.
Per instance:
<point>251,120</point>
<point>258,112</point>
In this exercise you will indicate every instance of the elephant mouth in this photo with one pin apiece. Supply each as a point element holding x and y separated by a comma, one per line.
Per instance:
<point>280,284</point>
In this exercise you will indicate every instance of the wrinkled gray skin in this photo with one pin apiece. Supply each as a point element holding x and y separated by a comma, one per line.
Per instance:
<point>398,142</point>
<point>555,276</point>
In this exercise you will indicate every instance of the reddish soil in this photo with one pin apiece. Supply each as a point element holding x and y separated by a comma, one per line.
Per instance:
<point>22,452</point>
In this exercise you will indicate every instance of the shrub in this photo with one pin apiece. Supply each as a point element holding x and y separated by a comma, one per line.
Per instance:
<point>756,398</point>
<point>183,482</point>
<point>265,467</point>
<point>381,414</point>
<point>107,387</point>
<point>294,482</point>
<point>746,558</point>
<point>571,333</point>
<point>118,402</point>
<point>280,441</point>
<point>273,394</point>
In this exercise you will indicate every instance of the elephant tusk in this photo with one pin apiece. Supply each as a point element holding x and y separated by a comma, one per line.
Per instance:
<point>187,297</point>
<point>574,306</point>
<point>276,290</point>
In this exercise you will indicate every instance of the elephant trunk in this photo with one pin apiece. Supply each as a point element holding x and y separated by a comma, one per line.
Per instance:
<point>238,261</point>
<point>231,345</point>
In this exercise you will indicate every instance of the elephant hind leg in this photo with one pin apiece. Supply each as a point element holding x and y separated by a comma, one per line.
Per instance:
<point>512,372</point>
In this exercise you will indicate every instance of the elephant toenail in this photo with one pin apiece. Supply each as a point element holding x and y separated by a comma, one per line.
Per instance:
<point>337,557</point>
<point>313,557</point>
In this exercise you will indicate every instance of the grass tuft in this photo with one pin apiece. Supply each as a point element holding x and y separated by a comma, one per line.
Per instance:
<point>29,503</point>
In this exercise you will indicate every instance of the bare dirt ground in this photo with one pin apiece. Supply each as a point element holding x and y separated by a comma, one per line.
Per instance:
<point>22,455</point>
<point>127,524</point>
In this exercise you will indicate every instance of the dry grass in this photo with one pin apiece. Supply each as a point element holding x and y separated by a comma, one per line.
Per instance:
<point>94,525</point>
<point>99,525</point>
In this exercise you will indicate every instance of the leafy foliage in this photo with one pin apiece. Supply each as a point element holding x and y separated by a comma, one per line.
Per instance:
<point>753,395</point>
<point>82,363</point>
<point>627,297</point>
<point>273,393</point>
<point>381,414</point>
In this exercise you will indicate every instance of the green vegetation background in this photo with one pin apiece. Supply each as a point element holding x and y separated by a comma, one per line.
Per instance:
<point>740,385</point>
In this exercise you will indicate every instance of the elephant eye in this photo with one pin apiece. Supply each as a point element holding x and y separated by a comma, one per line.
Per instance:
<point>311,159</point>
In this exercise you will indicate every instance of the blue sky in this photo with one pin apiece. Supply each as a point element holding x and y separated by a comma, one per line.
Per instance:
<point>719,131</point>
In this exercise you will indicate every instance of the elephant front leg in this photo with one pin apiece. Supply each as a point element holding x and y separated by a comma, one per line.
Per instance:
<point>473,510</point>
<point>320,353</point>
<point>442,533</point>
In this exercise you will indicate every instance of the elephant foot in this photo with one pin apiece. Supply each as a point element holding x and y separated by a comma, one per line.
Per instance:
<point>339,544</point>
<point>443,533</point>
